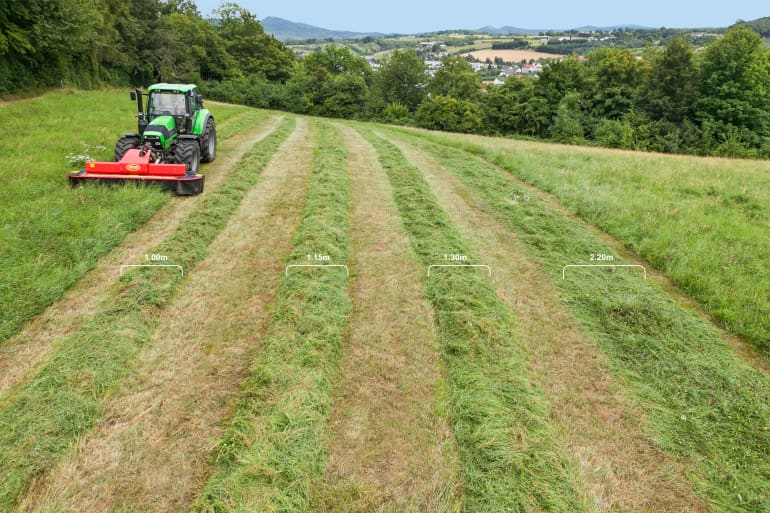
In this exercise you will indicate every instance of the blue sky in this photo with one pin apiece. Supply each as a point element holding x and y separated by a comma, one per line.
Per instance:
<point>405,16</point>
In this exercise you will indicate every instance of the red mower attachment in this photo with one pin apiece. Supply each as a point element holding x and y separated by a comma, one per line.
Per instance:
<point>137,164</point>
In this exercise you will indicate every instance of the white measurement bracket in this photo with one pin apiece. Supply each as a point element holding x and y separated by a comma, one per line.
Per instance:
<point>124,266</point>
<point>347,271</point>
<point>489,269</point>
<point>563,271</point>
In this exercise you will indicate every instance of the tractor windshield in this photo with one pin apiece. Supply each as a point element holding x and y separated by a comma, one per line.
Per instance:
<point>167,103</point>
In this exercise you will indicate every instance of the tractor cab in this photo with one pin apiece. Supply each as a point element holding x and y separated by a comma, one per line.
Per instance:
<point>179,101</point>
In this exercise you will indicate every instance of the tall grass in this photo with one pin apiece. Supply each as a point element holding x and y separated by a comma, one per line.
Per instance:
<point>705,222</point>
<point>706,406</point>
<point>275,447</point>
<point>502,421</point>
<point>42,418</point>
<point>50,234</point>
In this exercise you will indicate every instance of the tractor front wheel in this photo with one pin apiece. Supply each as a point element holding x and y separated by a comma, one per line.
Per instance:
<point>124,144</point>
<point>209,142</point>
<point>189,153</point>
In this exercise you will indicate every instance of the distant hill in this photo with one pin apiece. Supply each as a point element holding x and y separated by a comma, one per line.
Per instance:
<point>508,30</point>
<point>286,30</point>
<point>761,25</point>
<point>594,28</point>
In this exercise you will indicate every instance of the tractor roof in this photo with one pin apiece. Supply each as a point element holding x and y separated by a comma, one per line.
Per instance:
<point>177,88</point>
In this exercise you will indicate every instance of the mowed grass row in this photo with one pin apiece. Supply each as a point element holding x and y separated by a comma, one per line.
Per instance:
<point>236,123</point>
<point>42,418</point>
<point>50,234</point>
<point>275,447</point>
<point>706,406</point>
<point>509,458</point>
<point>705,222</point>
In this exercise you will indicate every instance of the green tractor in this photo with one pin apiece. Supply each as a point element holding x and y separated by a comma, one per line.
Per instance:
<point>175,134</point>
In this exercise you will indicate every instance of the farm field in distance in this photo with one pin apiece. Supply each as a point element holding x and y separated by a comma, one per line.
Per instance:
<point>512,55</point>
<point>380,318</point>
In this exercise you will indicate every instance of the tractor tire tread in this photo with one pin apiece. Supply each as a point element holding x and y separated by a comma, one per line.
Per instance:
<point>188,153</point>
<point>209,152</point>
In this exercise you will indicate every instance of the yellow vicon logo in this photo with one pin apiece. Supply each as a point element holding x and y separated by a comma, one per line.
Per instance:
<point>133,167</point>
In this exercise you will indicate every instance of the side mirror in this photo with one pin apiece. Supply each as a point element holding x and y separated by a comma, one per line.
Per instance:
<point>133,95</point>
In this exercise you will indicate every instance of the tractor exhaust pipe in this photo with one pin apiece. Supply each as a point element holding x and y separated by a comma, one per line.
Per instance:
<point>136,94</point>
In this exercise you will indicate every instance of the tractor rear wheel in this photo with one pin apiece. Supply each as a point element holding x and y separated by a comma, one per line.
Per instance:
<point>188,152</point>
<point>124,144</point>
<point>209,142</point>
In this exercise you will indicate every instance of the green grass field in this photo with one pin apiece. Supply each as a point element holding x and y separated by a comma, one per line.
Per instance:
<point>692,400</point>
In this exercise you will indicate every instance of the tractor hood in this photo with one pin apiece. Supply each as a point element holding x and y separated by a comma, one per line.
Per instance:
<point>161,132</point>
<point>162,122</point>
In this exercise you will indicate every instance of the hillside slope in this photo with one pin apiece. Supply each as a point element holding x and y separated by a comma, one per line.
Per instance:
<point>374,318</point>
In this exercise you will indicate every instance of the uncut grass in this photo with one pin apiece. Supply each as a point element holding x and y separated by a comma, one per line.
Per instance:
<point>509,458</point>
<point>50,234</point>
<point>42,418</point>
<point>705,222</point>
<point>276,443</point>
<point>706,406</point>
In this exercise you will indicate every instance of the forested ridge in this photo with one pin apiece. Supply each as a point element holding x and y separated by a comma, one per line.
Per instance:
<point>712,100</point>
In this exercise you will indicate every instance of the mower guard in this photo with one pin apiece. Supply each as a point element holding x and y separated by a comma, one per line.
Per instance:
<point>136,166</point>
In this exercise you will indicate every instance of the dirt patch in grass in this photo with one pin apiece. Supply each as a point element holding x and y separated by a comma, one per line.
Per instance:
<point>150,451</point>
<point>27,351</point>
<point>390,449</point>
<point>602,428</point>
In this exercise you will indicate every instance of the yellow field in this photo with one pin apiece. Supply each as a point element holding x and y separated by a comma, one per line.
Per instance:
<point>512,55</point>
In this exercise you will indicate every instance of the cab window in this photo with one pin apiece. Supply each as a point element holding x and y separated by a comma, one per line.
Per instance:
<point>172,104</point>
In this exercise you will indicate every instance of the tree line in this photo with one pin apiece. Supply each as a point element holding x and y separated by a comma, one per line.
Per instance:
<point>711,101</point>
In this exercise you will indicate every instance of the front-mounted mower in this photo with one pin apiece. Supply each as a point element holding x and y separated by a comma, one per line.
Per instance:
<point>175,134</point>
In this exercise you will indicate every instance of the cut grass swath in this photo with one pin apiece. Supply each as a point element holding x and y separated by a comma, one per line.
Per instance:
<point>236,124</point>
<point>44,417</point>
<point>704,222</point>
<point>510,460</point>
<point>706,406</point>
<point>275,446</point>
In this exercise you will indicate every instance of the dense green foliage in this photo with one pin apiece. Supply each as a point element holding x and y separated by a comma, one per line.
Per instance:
<point>85,43</point>
<point>670,99</point>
